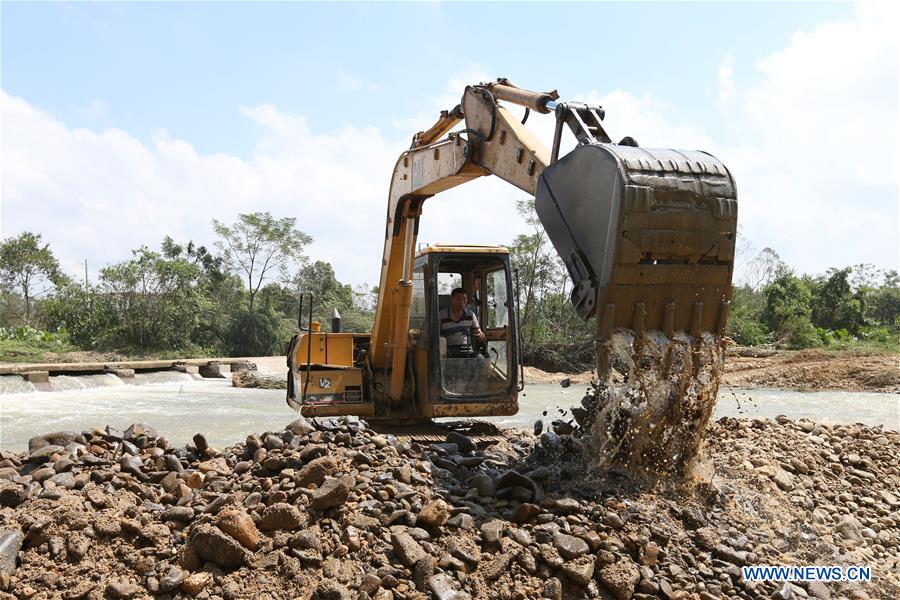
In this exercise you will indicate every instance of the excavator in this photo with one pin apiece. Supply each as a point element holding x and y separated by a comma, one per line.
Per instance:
<point>647,237</point>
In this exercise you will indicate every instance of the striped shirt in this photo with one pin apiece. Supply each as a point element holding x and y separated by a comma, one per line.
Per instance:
<point>458,332</point>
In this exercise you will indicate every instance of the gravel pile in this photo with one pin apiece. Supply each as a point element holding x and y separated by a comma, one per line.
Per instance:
<point>331,509</point>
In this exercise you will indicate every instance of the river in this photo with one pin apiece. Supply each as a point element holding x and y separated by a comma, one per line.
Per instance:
<point>178,406</point>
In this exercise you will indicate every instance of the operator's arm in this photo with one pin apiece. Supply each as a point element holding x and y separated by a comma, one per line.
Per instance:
<point>476,328</point>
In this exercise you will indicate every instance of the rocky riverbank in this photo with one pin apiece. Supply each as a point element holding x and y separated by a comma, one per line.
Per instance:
<point>331,509</point>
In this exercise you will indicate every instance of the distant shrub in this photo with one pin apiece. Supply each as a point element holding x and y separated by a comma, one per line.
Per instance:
<point>254,333</point>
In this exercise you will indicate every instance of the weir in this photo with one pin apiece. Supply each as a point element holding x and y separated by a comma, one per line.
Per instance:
<point>45,377</point>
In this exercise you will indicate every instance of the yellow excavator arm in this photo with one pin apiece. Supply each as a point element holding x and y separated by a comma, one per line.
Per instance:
<point>493,142</point>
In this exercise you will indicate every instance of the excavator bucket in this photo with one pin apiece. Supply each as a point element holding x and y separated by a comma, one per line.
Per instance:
<point>647,236</point>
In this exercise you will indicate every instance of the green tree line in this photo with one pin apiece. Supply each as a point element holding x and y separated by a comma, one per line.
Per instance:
<point>237,299</point>
<point>240,298</point>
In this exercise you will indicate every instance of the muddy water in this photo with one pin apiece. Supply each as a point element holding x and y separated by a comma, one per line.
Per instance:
<point>226,415</point>
<point>656,419</point>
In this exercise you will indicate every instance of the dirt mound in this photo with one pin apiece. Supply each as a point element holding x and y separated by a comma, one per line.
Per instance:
<point>332,509</point>
<point>815,370</point>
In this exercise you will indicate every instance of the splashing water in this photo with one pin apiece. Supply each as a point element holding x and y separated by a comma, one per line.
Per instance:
<point>654,421</point>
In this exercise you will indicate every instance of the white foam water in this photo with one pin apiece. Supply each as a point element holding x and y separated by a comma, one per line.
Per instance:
<point>13,384</point>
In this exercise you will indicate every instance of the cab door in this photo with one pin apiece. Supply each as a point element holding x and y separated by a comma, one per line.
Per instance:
<point>490,377</point>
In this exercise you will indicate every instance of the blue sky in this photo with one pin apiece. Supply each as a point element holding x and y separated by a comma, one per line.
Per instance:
<point>197,92</point>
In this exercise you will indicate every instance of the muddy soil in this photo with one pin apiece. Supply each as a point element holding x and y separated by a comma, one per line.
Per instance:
<point>815,370</point>
<point>332,509</point>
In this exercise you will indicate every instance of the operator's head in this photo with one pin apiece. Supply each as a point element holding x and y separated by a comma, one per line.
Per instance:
<point>459,298</point>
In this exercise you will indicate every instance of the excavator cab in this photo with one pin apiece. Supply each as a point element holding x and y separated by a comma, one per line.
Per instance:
<point>329,373</point>
<point>484,381</point>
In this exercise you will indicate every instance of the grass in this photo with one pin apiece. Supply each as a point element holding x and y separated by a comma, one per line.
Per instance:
<point>32,352</point>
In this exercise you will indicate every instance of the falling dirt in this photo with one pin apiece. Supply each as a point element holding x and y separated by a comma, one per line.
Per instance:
<point>653,418</point>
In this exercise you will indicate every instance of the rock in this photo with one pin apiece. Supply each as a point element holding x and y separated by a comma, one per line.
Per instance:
<point>332,493</point>
<point>57,438</point>
<point>566,382</point>
<point>406,548</point>
<point>214,465</point>
<point>492,530</point>
<point>433,515</point>
<point>273,442</point>
<point>496,567</point>
<point>538,427</point>
<point>461,521</point>
<point>210,543</point>
<point>282,516</point>
<point>78,546</point>
<point>783,480</point>
<point>580,570</point>
<point>442,586</point>
<point>11,494</point>
<point>172,580</point>
<point>526,512</point>
<point>620,578</point>
<point>463,442</point>
<point>10,544</point>
<point>120,588</point>
<point>199,442</point>
<point>300,426</point>
<point>552,589</point>
<point>483,483</point>
<point>240,526</point>
<point>315,471</point>
<point>569,546</point>
<point>511,479</point>
<point>196,583</point>
<point>136,430</point>
<point>551,442</point>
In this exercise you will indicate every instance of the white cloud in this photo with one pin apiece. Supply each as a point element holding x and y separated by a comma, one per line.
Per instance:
<point>345,82</point>
<point>725,81</point>
<point>814,145</point>
<point>96,195</point>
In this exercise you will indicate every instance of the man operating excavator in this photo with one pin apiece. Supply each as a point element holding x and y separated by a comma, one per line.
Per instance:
<point>459,325</point>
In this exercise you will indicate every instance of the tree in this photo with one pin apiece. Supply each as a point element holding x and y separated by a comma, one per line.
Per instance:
<point>763,269</point>
<point>834,305</point>
<point>155,301</point>
<point>258,245</point>
<point>788,309</point>
<point>29,267</point>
